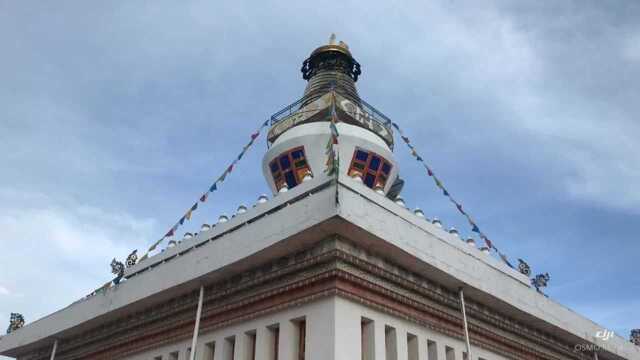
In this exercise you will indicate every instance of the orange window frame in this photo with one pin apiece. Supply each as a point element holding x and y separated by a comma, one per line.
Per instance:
<point>293,175</point>
<point>363,168</point>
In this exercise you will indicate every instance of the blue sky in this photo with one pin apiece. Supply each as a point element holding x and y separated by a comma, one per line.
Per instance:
<point>115,116</point>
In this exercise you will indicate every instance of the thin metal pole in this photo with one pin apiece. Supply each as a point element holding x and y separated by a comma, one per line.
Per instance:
<point>466,325</point>
<point>55,347</point>
<point>197,326</point>
<point>595,355</point>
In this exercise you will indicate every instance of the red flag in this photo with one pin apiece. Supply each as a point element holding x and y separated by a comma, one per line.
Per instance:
<point>170,233</point>
<point>254,136</point>
<point>429,172</point>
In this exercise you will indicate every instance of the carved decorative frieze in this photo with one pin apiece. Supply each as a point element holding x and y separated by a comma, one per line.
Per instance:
<point>331,267</point>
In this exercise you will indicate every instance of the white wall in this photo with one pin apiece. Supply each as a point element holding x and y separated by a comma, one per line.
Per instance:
<point>333,327</point>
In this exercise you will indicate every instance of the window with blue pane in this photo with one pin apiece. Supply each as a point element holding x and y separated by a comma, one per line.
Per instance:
<point>372,168</point>
<point>289,168</point>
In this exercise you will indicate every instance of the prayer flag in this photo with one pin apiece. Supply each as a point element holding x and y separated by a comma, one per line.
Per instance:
<point>487,241</point>
<point>506,261</point>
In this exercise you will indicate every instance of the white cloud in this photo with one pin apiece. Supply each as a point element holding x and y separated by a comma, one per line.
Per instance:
<point>631,47</point>
<point>53,255</point>
<point>589,143</point>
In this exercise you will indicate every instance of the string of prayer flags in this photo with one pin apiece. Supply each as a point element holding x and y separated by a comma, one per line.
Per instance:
<point>332,156</point>
<point>474,227</point>
<point>205,196</point>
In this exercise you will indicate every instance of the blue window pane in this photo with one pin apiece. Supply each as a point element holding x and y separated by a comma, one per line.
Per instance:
<point>284,162</point>
<point>362,155</point>
<point>298,154</point>
<point>386,168</point>
<point>274,167</point>
<point>369,179</point>
<point>375,163</point>
<point>290,179</point>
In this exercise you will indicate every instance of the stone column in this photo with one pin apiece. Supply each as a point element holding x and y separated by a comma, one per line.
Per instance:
<point>264,344</point>
<point>240,349</point>
<point>422,348</point>
<point>401,342</point>
<point>321,333</point>
<point>347,329</point>
<point>288,339</point>
<point>379,340</point>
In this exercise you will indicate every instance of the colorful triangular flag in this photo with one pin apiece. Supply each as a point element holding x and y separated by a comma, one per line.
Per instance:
<point>487,241</point>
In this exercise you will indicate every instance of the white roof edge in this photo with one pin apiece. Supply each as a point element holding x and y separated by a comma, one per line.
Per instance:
<point>360,206</point>
<point>168,274</point>
<point>477,270</point>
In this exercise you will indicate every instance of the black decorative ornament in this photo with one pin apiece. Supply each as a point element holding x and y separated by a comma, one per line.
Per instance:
<point>117,268</point>
<point>524,268</point>
<point>634,336</point>
<point>16,321</point>
<point>540,281</point>
<point>132,259</point>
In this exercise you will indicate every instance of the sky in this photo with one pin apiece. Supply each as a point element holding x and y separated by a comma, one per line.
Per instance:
<point>116,116</point>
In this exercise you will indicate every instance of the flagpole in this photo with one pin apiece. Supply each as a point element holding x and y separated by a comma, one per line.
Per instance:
<point>466,325</point>
<point>53,351</point>
<point>197,326</point>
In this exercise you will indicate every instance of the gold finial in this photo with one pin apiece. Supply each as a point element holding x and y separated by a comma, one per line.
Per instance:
<point>333,46</point>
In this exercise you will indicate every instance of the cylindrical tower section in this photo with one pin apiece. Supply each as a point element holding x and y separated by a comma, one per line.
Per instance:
<point>299,140</point>
<point>330,67</point>
<point>301,151</point>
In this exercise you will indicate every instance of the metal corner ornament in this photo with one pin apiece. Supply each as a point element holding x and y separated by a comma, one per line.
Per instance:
<point>524,268</point>
<point>132,258</point>
<point>540,281</point>
<point>117,268</point>
<point>16,321</point>
<point>634,337</point>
